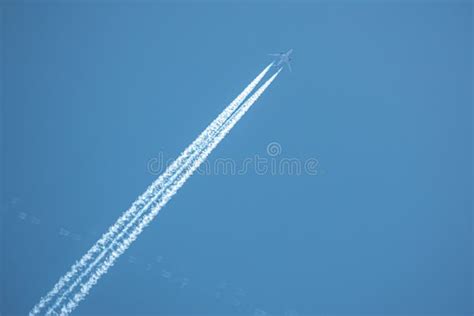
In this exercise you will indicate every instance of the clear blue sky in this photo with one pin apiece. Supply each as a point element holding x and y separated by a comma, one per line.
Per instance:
<point>380,95</point>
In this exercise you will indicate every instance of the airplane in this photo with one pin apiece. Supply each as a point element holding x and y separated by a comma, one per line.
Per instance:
<point>283,58</point>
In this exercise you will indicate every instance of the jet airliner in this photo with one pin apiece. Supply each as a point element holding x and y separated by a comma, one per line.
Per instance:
<point>283,58</point>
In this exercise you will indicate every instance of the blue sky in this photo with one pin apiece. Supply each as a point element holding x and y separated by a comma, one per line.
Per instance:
<point>380,95</point>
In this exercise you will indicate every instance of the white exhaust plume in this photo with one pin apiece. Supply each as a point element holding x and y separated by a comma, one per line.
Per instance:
<point>144,199</point>
<point>157,195</point>
<point>74,299</point>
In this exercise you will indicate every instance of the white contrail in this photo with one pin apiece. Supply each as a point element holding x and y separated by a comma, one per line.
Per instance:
<point>73,300</point>
<point>144,199</point>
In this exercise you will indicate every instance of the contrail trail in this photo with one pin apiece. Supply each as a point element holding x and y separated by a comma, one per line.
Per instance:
<point>177,180</point>
<point>169,192</point>
<point>144,199</point>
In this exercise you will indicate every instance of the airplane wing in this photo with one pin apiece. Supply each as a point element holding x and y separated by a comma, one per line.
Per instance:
<point>289,66</point>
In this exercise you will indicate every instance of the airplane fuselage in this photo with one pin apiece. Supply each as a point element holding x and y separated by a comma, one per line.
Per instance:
<point>283,58</point>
